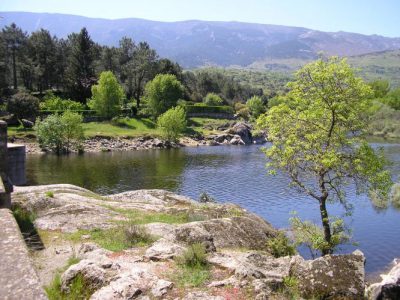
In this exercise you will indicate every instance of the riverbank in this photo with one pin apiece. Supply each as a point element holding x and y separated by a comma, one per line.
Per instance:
<point>216,133</point>
<point>139,243</point>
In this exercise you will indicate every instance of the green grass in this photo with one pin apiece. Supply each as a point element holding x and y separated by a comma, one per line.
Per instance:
<point>117,238</point>
<point>197,125</point>
<point>49,194</point>
<point>141,217</point>
<point>78,288</point>
<point>21,132</point>
<point>122,128</point>
<point>193,268</point>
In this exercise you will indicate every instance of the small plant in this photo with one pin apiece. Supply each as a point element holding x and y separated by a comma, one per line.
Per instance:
<point>291,287</point>
<point>281,246</point>
<point>49,194</point>
<point>194,256</point>
<point>194,269</point>
<point>206,198</point>
<point>137,235</point>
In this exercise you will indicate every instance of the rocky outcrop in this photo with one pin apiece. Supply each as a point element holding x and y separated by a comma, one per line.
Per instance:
<point>332,276</point>
<point>240,266</point>
<point>389,287</point>
<point>242,130</point>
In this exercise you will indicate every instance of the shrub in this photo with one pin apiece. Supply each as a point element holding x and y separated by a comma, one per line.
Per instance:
<point>255,106</point>
<point>194,256</point>
<point>242,111</point>
<point>162,93</point>
<point>54,103</point>
<point>107,96</point>
<point>312,236</point>
<point>281,245</point>
<point>60,133</point>
<point>23,106</point>
<point>213,99</point>
<point>172,123</point>
<point>137,235</point>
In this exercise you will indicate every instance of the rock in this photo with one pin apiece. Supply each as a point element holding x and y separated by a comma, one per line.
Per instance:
<point>120,289</point>
<point>163,249</point>
<point>236,140</point>
<point>27,124</point>
<point>201,296</point>
<point>223,138</point>
<point>332,276</point>
<point>248,231</point>
<point>389,287</point>
<point>161,287</point>
<point>93,275</point>
<point>243,130</point>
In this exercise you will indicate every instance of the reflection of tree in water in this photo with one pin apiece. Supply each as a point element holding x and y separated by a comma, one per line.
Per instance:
<point>110,172</point>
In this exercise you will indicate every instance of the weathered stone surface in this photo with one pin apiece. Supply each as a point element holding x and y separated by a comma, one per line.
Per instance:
<point>92,273</point>
<point>236,140</point>
<point>201,296</point>
<point>243,130</point>
<point>27,124</point>
<point>332,276</point>
<point>18,279</point>
<point>248,231</point>
<point>389,287</point>
<point>164,249</point>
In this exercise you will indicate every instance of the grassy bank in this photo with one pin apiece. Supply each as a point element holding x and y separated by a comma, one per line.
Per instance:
<point>135,127</point>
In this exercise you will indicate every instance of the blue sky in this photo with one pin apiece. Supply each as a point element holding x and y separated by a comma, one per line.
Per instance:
<point>367,16</point>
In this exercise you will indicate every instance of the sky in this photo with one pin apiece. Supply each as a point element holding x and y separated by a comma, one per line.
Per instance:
<point>362,16</point>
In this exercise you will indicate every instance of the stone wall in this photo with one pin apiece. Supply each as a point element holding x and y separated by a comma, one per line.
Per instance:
<point>212,115</point>
<point>16,164</point>
<point>5,183</point>
<point>18,278</point>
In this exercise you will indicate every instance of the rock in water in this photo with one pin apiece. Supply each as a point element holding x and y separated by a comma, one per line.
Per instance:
<point>244,131</point>
<point>389,287</point>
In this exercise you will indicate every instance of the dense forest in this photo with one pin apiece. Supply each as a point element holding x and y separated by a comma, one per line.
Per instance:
<point>69,67</point>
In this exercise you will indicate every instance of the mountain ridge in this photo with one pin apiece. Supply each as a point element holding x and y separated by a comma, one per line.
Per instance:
<point>196,43</point>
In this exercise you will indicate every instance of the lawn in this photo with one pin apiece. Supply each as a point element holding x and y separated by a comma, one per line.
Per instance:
<point>134,127</point>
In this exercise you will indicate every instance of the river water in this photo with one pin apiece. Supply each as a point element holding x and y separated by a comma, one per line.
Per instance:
<point>229,174</point>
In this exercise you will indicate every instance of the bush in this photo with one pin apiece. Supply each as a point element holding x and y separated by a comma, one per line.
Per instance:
<point>137,235</point>
<point>162,93</point>
<point>172,123</point>
<point>54,103</point>
<point>213,99</point>
<point>60,133</point>
<point>281,246</point>
<point>107,96</point>
<point>194,256</point>
<point>23,106</point>
<point>312,236</point>
<point>242,111</point>
<point>255,106</point>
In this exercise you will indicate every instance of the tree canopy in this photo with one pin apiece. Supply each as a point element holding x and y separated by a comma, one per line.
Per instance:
<point>108,95</point>
<point>162,93</point>
<point>318,137</point>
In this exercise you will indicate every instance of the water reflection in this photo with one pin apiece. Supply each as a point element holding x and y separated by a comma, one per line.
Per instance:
<point>228,174</point>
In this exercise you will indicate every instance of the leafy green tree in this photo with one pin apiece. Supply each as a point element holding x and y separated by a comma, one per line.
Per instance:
<point>23,106</point>
<point>172,123</point>
<point>108,95</point>
<point>318,137</point>
<point>52,102</point>
<point>256,106</point>
<point>60,133</point>
<point>162,93</point>
<point>213,99</point>
<point>392,99</point>
<point>379,88</point>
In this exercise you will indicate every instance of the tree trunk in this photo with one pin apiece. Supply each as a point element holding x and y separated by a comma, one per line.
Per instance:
<point>325,224</point>
<point>14,70</point>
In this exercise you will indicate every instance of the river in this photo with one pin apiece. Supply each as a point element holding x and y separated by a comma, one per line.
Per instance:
<point>229,174</point>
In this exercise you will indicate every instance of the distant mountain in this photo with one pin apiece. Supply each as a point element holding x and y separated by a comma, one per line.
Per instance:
<point>202,43</point>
